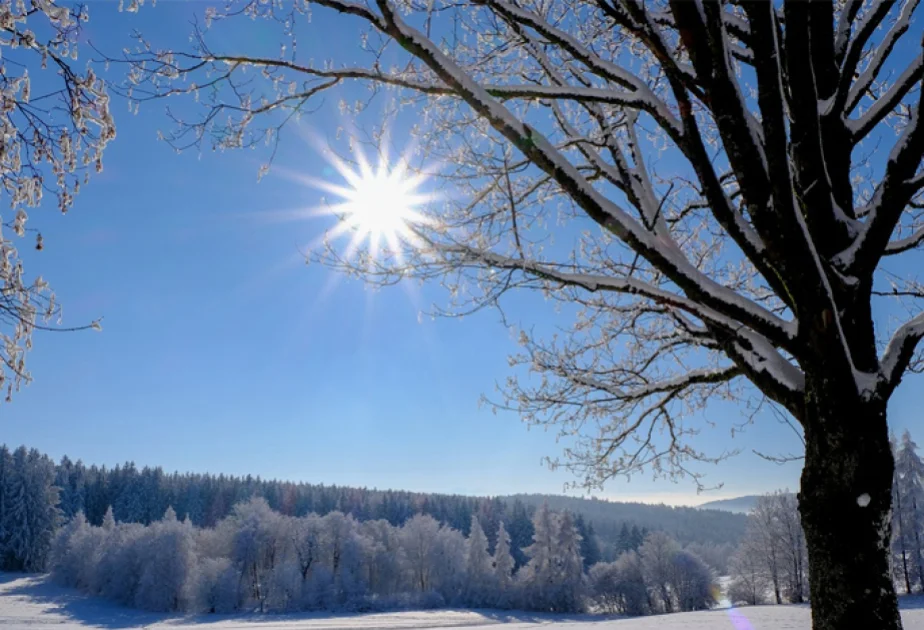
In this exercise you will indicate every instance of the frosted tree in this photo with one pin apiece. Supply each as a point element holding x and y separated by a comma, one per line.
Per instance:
<point>692,583</point>
<point>570,565</point>
<point>619,586</point>
<point>118,572</point>
<point>657,561</point>
<point>749,583</point>
<point>384,559</point>
<point>215,589</point>
<point>590,546</point>
<point>70,479</point>
<point>30,514</point>
<point>256,543</point>
<point>109,521</point>
<point>449,565</point>
<point>538,576</point>
<point>66,563</point>
<point>603,587</point>
<point>168,564</point>
<point>503,568</point>
<point>342,548</point>
<point>712,191</point>
<point>763,533</point>
<point>6,472</point>
<point>306,535</point>
<point>909,511</point>
<point>419,542</point>
<point>792,541</point>
<point>479,572</point>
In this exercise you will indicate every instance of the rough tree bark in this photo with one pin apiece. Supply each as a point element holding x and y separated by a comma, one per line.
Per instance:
<point>793,140</point>
<point>845,503</point>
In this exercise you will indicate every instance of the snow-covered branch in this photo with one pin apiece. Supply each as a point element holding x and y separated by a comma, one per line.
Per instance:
<point>895,191</point>
<point>905,244</point>
<point>901,349</point>
<point>603,210</point>
<point>881,54</point>
<point>752,353</point>
<point>689,179</point>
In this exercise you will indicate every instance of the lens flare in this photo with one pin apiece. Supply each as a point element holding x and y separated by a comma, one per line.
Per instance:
<point>378,205</point>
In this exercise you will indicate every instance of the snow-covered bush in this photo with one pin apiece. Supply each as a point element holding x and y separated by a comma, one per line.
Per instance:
<point>619,587</point>
<point>217,586</point>
<point>168,563</point>
<point>692,584</point>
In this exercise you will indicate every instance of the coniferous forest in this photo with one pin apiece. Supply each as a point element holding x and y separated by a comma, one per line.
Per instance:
<point>225,543</point>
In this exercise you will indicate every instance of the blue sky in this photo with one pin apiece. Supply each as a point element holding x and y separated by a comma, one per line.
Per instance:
<point>221,351</point>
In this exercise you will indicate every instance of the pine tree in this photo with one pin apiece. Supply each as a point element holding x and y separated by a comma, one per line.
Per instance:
<point>569,576</point>
<point>590,546</point>
<point>539,573</point>
<point>520,528</point>
<point>478,569</point>
<point>503,568</point>
<point>909,505</point>
<point>109,521</point>
<point>6,488</point>
<point>30,514</point>
<point>625,541</point>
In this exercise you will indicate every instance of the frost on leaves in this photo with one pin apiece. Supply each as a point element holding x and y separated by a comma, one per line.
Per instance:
<point>52,138</point>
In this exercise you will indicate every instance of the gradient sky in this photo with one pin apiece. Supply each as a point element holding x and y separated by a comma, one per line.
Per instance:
<point>221,351</point>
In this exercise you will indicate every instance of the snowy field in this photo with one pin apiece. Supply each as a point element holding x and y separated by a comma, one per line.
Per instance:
<point>34,604</point>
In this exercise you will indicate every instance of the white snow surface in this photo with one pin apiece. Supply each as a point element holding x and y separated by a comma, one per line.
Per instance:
<point>33,603</point>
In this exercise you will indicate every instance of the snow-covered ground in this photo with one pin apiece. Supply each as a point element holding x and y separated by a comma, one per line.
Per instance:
<point>33,603</point>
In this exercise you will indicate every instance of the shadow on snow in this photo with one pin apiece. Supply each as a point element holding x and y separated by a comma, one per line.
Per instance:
<point>102,613</point>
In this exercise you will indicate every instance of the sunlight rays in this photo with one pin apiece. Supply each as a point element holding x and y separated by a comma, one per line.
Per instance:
<point>377,205</point>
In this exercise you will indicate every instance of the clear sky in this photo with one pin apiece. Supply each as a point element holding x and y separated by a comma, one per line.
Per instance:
<point>221,351</point>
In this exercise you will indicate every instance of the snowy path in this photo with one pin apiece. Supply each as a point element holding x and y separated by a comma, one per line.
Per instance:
<point>31,603</point>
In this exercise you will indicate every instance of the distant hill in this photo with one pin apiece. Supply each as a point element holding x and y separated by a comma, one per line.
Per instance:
<point>686,524</point>
<point>737,505</point>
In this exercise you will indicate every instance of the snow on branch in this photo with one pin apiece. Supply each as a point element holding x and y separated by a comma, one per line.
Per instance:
<point>881,54</point>
<point>886,102</point>
<point>688,178</point>
<point>900,350</point>
<point>602,209</point>
<point>752,353</point>
<point>892,195</point>
<point>905,244</point>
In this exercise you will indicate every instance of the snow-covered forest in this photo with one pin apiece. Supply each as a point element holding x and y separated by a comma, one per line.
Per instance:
<point>142,495</point>
<point>258,559</point>
<point>257,556</point>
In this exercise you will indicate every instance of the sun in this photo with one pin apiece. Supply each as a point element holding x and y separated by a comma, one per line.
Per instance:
<point>379,206</point>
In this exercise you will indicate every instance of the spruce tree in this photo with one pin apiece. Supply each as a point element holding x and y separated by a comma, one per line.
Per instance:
<point>569,565</point>
<point>909,488</point>
<point>590,546</point>
<point>503,568</point>
<point>539,572</point>
<point>478,569</point>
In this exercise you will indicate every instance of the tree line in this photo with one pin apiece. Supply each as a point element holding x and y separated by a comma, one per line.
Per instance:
<point>36,488</point>
<point>260,559</point>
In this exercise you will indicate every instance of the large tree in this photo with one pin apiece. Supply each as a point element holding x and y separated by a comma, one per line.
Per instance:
<point>717,193</point>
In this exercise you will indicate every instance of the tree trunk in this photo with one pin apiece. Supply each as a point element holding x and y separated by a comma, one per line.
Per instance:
<point>845,504</point>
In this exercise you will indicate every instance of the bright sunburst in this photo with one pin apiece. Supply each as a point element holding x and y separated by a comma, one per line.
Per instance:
<point>378,204</point>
